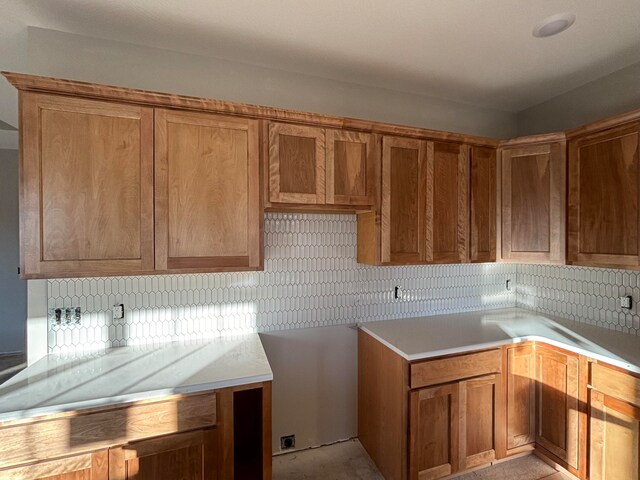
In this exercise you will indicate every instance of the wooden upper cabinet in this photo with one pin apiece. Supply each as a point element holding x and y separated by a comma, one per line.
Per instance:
<point>604,189</point>
<point>350,168</point>
<point>208,214</point>
<point>482,191</point>
<point>318,167</point>
<point>403,207</point>
<point>447,207</point>
<point>86,187</point>
<point>296,164</point>
<point>532,211</point>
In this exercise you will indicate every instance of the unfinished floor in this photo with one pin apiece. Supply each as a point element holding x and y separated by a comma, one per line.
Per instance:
<point>349,461</point>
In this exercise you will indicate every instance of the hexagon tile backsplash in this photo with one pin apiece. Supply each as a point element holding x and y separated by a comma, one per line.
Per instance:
<point>311,279</point>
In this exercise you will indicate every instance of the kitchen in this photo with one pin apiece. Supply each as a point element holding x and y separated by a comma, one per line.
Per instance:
<point>307,268</point>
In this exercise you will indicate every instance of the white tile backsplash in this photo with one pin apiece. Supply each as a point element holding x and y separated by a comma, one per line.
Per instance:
<point>311,279</point>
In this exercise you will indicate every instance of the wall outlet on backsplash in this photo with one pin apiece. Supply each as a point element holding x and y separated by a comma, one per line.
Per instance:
<point>398,294</point>
<point>65,316</point>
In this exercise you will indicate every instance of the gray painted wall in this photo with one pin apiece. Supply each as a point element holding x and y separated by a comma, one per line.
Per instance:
<point>616,93</point>
<point>78,57</point>
<point>13,291</point>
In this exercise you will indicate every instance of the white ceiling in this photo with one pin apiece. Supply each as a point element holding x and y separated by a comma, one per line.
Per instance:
<point>472,51</point>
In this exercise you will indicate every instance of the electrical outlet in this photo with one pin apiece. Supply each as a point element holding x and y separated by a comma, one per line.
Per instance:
<point>508,285</point>
<point>65,316</point>
<point>397,293</point>
<point>287,442</point>
<point>626,302</point>
<point>118,311</point>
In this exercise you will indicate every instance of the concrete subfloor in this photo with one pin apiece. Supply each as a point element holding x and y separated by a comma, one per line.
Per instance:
<point>349,461</point>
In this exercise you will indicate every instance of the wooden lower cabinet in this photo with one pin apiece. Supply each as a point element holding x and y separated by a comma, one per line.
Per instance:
<point>520,398</point>
<point>433,432</point>
<point>558,405</point>
<point>480,415</point>
<point>614,414</point>
<point>190,455</point>
<point>88,466</point>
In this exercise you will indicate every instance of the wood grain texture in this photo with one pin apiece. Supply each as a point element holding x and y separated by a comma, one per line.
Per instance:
<point>615,438</point>
<point>557,404</point>
<point>89,466</point>
<point>447,203</point>
<point>520,398</point>
<point>86,187</point>
<point>604,189</point>
<point>296,164</point>
<point>81,432</point>
<point>434,432</point>
<point>183,455</point>
<point>482,193</point>
<point>350,168</point>
<point>532,203</point>
<point>403,200</point>
<point>207,198</point>
<point>83,89</point>
<point>616,384</point>
<point>369,234</point>
<point>480,405</point>
<point>383,379</point>
<point>457,367</point>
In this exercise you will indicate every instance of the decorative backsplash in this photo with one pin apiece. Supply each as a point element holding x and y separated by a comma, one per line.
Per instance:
<point>583,294</point>
<point>311,279</point>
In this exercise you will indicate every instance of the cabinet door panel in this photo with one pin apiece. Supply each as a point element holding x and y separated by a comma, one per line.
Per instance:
<point>604,185</point>
<point>87,191</point>
<point>403,200</point>
<point>557,403</point>
<point>434,427</point>
<point>207,193</point>
<point>296,164</point>
<point>532,195</point>
<point>615,438</point>
<point>521,387</point>
<point>350,168</point>
<point>482,234</point>
<point>189,456</point>
<point>479,407</point>
<point>447,206</point>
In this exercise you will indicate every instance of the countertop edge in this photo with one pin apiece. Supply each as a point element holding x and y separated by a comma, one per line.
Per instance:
<point>499,343</point>
<point>35,413</point>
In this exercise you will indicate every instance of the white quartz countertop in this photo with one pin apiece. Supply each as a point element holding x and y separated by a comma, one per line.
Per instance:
<point>63,382</point>
<point>425,337</point>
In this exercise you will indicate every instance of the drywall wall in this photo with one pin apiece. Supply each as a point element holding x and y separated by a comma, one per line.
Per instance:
<point>616,93</point>
<point>13,291</point>
<point>78,57</point>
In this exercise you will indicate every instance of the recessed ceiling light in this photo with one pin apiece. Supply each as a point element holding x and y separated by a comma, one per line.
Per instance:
<point>554,25</point>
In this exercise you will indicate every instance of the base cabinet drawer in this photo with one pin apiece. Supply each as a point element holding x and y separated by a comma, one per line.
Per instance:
<point>450,369</point>
<point>88,466</point>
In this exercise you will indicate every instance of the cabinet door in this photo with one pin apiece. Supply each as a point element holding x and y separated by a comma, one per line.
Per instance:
<point>447,204</point>
<point>482,189</point>
<point>557,395</point>
<point>88,466</point>
<point>615,438</point>
<point>208,214</point>
<point>480,408</point>
<point>532,210</point>
<point>86,187</point>
<point>403,200</point>
<point>604,186</point>
<point>433,432</point>
<point>521,390</point>
<point>185,455</point>
<point>350,168</point>
<point>296,164</point>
